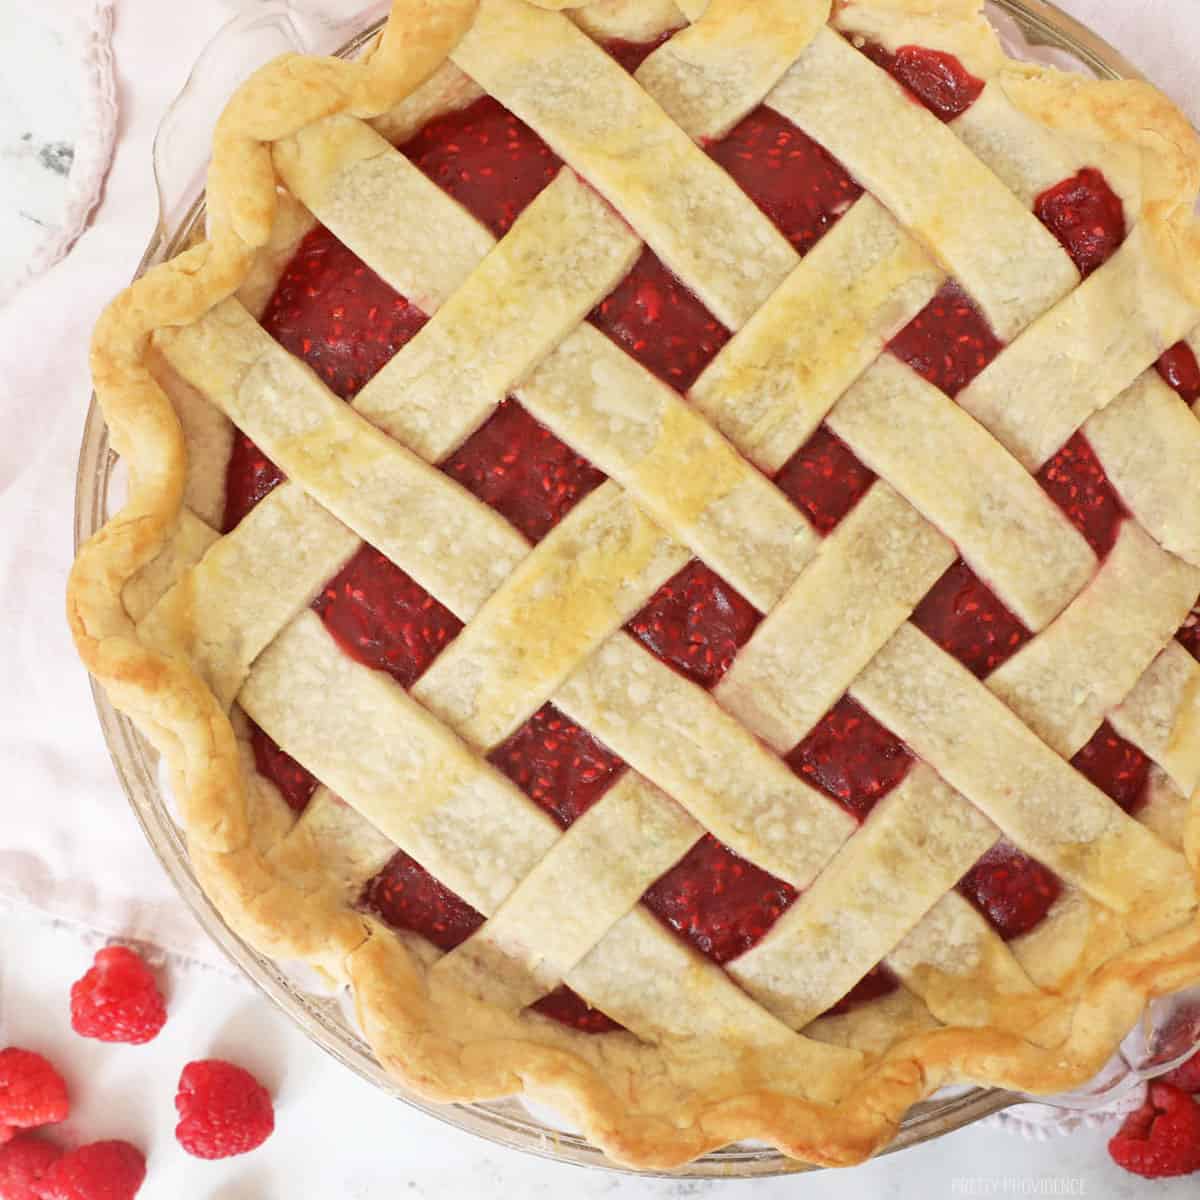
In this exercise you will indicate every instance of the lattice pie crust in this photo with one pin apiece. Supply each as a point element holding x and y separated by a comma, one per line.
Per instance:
<point>190,631</point>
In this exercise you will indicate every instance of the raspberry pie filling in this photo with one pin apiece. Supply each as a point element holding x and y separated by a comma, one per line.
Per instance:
<point>338,316</point>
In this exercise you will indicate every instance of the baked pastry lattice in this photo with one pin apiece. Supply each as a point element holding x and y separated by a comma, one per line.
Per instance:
<point>742,621</point>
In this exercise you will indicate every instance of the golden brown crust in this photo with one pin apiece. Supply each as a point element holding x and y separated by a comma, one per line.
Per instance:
<point>646,1105</point>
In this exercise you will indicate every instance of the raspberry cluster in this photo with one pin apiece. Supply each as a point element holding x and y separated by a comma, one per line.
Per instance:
<point>1162,1138</point>
<point>223,1109</point>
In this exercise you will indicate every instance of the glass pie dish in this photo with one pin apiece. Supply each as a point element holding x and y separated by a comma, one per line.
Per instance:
<point>1032,29</point>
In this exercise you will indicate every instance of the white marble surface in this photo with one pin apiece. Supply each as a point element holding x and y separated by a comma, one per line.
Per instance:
<point>39,102</point>
<point>337,1135</point>
<point>347,1140</point>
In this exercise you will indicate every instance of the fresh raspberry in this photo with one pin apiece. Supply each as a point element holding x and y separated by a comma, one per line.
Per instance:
<point>7,1133</point>
<point>1162,1138</point>
<point>223,1110</point>
<point>100,1171</point>
<point>32,1092</point>
<point>23,1163</point>
<point>118,999</point>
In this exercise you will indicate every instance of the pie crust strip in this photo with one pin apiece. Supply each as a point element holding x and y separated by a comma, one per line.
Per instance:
<point>713,72</point>
<point>358,731</point>
<point>772,385</point>
<point>187,546</point>
<point>346,174</point>
<point>681,471</point>
<point>907,855</point>
<point>963,481</point>
<point>914,165</point>
<point>1024,153</point>
<point>1148,442</point>
<point>1161,716</point>
<point>595,874</point>
<point>598,119</point>
<point>563,255</point>
<point>581,583</point>
<point>664,991</point>
<point>1064,682</point>
<point>250,583</point>
<point>982,749</point>
<point>868,576</point>
<point>1080,355</point>
<point>674,733</point>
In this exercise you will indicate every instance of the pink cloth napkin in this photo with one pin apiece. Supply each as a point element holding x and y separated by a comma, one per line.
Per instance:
<point>69,846</point>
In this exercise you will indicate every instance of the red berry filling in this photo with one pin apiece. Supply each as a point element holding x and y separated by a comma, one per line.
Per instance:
<point>794,180</point>
<point>1189,634</point>
<point>631,55</point>
<point>1075,480</point>
<point>850,756</point>
<point>718,901</point>
<point>492,163</point>
<point>1086,216</point>
<point>522,470</point>
<point>1161,1139</point>
<point>825,479</point>
<point>1011,890</point>
<point>1117,767</point>
<point>570,1008</point>
<point>333,312</point>
<point>250,476</point>
<point>1178,366</point>
<point>696,623</point>
<point>963,616</point>
<point>948,342</point>
<point>877,982</point>
<point>406,896</point>
<point>557,764</point>
<point>936,79</point>
<point>383,618</point>
<point>295,784</point>
<point>653,317</point>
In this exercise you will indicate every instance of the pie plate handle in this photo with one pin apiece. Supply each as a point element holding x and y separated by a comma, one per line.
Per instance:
<point>263,31</point>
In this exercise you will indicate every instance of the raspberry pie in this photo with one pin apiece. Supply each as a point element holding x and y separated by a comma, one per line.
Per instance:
<point>662,551</point>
